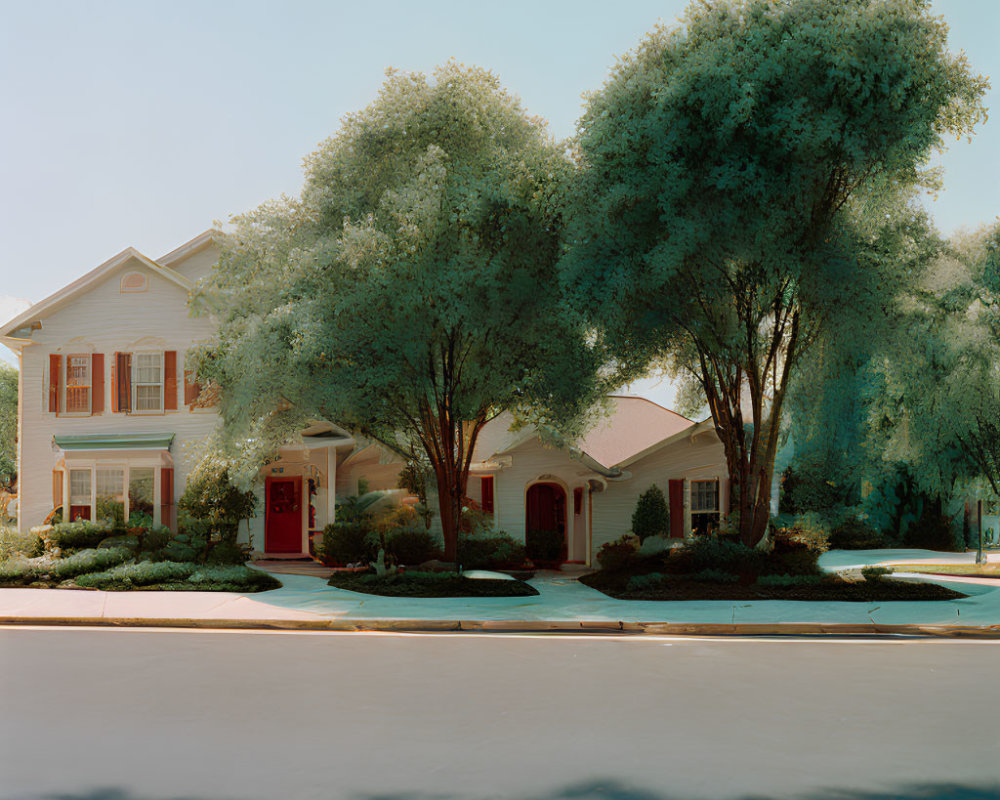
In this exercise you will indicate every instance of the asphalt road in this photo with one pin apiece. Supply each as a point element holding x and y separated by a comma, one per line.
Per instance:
<point>130,714</point>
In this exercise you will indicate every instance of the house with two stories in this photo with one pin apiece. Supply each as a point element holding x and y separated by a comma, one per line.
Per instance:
<point>109,418</point>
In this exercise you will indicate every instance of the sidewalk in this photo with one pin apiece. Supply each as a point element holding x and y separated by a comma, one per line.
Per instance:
<point>562,605</point>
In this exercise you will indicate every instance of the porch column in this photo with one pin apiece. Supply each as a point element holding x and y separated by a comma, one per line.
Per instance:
<point>331,483</point>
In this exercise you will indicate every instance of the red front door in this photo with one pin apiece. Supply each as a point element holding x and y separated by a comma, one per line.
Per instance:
<point>546,509</point>
<point>283,520</point>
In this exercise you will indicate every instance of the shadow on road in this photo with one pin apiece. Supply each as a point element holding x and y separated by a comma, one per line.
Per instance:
<point>594,790</point>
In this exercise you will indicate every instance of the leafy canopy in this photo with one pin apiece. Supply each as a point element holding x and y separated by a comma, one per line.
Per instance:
<point>728,172</point>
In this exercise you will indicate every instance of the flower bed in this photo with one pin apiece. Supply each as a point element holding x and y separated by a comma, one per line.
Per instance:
<point>429,584</point>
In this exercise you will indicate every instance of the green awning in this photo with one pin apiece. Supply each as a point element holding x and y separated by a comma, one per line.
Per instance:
<point>116,441</point>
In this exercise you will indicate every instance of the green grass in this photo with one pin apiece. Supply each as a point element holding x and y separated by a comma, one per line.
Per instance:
<point>429,584</point>
<point>969,570</point>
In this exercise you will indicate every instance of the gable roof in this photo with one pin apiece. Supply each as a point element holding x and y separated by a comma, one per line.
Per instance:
<point>635,424</point>
<point>85,282</point>
<point>188,249</point>
<point>695,429</point>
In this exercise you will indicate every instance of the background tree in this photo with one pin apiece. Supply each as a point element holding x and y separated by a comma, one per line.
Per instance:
<point>411,293</point>
<point>725,171</point>
<point>8,425</point>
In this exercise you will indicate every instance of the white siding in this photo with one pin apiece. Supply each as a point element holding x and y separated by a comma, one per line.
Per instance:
<point>103,320</point>
<point>690,459</point>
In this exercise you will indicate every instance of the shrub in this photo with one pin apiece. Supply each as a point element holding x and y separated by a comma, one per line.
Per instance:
<point>69,536</point>
<point>411,545</point>
<point>123,540</point>
<point>107,509</point>
<point>233,577</point>
<point>185,547</point>
<point>800,560</point>
<point>931,531</point>
<point>652,580</point>
<point>711,553</point>
<point>83,562</point>
<point>545,545</point>
<point>616,556</point>
<point>17,569</point>
<point>714,576</point>
<point>875,574</point>
<point>225,552</point>
<point>13,544</point>
<point>349,543</point>
<point>155,539</point>
<point>210,495</point>
<point>494,551</point>
<point>789,580</point>
<point>651,517</point>
<point>145,573</point>
<point>855,534</point>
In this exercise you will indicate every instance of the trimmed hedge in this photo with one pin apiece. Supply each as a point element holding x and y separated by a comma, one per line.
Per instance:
<point>411,546</point>
<point>541,545</point>
<point>494,551</point>
<point>68,536</point>
<point>349,543</point>
<point>429,584</point>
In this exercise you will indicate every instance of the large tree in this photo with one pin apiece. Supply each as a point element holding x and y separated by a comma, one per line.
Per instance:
<point>411,293</point>
<point>726,168</point>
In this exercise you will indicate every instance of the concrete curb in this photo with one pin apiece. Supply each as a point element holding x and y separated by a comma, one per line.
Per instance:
<point>586,627</point>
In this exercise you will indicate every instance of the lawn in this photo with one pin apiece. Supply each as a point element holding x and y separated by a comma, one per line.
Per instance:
<point>990,570</point>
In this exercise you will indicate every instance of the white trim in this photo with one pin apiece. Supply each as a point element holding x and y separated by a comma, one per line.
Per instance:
<point>68,292</point>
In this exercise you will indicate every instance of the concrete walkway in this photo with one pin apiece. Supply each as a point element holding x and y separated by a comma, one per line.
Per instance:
<point>563,604</point>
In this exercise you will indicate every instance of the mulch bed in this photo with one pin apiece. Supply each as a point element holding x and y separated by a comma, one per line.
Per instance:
<point>831,589</point>
<point>429,585</point>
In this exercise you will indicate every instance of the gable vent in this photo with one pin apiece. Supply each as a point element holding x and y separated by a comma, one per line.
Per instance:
<point>133,282</point>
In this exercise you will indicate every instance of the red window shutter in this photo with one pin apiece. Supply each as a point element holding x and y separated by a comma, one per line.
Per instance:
<point>57,488</point>
<point>97,383</point>
<point>578,501</point>
<point>55,368</point>
<point>191,388</point>
<point>170,380</point>
<point>121,379</point>
<point>676,489</point>
<point>487,496</point>
<point>166,496</point>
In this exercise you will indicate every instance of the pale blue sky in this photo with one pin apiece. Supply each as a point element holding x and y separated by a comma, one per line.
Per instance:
<point>139,123</point>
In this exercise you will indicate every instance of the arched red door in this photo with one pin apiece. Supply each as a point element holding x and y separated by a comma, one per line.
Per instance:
<point>546,509</point>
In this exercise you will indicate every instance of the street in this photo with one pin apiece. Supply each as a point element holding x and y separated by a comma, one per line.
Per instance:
<point>107,714</point>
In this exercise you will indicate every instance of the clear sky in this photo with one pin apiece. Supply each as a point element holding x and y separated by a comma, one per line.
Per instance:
<point>139,123</point>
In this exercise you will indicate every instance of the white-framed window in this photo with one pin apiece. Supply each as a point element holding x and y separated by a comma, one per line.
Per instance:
<point>704,506</point>
<point>78,384</point>
<point>80,482</point>
<point>119,491</point>
<point>147,382</point>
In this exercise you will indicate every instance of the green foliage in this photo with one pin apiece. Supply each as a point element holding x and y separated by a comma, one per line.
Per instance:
<point>349,543</point>
<point>14,544</point>
<point>650,580</point>
<point>127,541</point>
<point>932,531</point>
<point>155,539</point>
<point>8,425</point>
<point>651,516</point>
<point>179,576</point>
<point>225,552</point>
<point>430,584</point>
<point>655,545</point>
<point>65,537</point>
<point>144,573</point>
<point>544,545</point>
<point>618,555</point>
<point>875,574</point>
<point>735,178</point>
<point>714,576</point>
<point>789,580</point>
<point>408,272</point>
<point>186,546</point>
<point>110,511</point>
<point>707,552</point>
<point>82,562</point>
<point>490,550</point>
<point>855,534</point>
<point>411,546</point>
<point>211,495</point>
